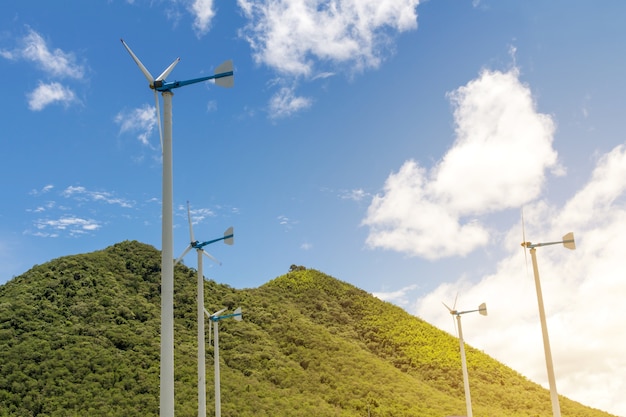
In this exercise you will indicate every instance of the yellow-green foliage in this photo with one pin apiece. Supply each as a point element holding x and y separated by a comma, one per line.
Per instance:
<point>79,336</point>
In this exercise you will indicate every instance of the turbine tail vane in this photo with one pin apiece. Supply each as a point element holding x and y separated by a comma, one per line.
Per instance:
<point>226,68</point>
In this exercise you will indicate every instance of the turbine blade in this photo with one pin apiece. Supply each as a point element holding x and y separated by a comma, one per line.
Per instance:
<point>449,309</point>
<point>190,226</point>
<point>211,257</point>
<point>158,114</point>
<point>207,314</point>
<point>143,69</point>
<point>524,242</point>
<point>455,298</point>
<point>167,70</point>
<point>217,313</point>
<point>183,255</point>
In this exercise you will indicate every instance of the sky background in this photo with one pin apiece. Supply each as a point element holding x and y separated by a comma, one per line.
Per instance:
<point>393,144</point>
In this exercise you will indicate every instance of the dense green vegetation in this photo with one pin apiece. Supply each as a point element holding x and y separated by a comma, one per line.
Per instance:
<point>79,336</point>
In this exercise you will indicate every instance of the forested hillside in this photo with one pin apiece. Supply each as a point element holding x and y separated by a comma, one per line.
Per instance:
<point>79,336</point>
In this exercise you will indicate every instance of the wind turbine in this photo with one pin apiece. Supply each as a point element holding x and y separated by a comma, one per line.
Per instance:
<point>569,243</point>
<point>215,318</point>
<point>482,309</point>
<point>223,77</point>
<point>228,238</point>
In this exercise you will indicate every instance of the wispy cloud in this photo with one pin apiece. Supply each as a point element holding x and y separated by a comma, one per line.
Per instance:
<point>285,103</point>
<point>66,218</point>
<point>198,215</point>
<point>499,161</point>
<point>45,189</point>
<point>203,13</point>
<point>81,193</point>
<point>141,121</point>
<point>399,297</point>
<point>57,63</point>
<point>286,222</point>
<point>71,225</point>
<point>357,194</point>
<point>46,94</point>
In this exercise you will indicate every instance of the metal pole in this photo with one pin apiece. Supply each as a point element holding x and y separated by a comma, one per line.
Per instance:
<point>468,397</point>
<point>216,357</point>
<point>201,349</point>
<point>556,409</point>
<point>167,267</point>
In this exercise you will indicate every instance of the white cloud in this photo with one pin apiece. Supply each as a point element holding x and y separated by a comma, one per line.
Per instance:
<point>46,94</point>
<point>81,193</point>
<point>357,194</point>
<point>203,13</point>
<point>55,62</point>
<point>142,120</point>
<point>288,34</point>
<point>285,103</point>
<point>499,160</point>
<point>73,225</point>
<point>44,190</point>
<point>399,297</point>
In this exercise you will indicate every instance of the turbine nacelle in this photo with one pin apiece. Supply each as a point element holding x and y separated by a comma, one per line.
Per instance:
<point>224,77</point>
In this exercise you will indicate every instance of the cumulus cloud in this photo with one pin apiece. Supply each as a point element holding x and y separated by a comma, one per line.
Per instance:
<point>141,121</point>
<point>582,291</point>
<point>300,38</point>
<point>46,94</point>
<point>499,160</point>
<point>288,35</point>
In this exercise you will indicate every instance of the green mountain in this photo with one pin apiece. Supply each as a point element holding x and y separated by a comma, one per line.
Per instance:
<point>79,336</point>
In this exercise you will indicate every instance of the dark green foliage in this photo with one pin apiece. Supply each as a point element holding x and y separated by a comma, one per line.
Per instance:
<point>79,336</point>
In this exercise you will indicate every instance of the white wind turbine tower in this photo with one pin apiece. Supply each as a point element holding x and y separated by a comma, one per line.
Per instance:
<point>482,309</point>
<point>223,77</point>
<point>569,243</point>
<point>215,318</point>
<point>228,238</point>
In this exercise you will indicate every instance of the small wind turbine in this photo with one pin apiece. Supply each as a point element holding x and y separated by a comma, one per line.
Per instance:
<point>215,318</point>
<point>482,309</point>
<point>223,77</point>
<point>569,243</point>
<point>228,238</point>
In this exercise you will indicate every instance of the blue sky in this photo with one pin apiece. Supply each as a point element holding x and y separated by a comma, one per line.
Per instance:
<point>392,144</point>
